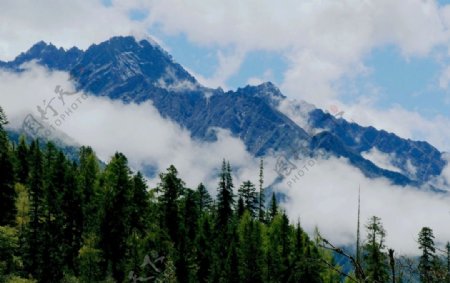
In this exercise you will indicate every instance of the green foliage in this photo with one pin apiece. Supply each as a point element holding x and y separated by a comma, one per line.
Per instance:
<point>375,258</point>
<point>65,221</point>
<point>7,192</point>
<point>247,192</point>
<point>430,269</point>
<point>16,279</point>
<point>9,244</point>
<point>90,259</point>
<point>115,223</point>
<point>225,197</point>
<point>273,208</point>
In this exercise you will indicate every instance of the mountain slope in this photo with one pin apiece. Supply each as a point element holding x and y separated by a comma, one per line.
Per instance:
<point>135,71</point>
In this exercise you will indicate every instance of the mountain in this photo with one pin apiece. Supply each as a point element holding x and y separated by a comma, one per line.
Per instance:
<point>139,70</point>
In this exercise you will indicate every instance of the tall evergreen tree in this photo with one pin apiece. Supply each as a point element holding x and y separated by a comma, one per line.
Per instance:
<point>22,163</point>
<point>250,250</point>
<point>171,188</point>
<point>247,192</point>
<point>225,196</point>
<point>33,248</point>
<point>141,203</point>
<point>358,236</point>
<point>204,198</point>
<point>428,264</point>
<point>88,178</point>
<point>273,208</point>
<point>71,214</point>
<point>115,224</point>
<point>375,258</point>
<point>204,249</point>
<point>7,192</point>
<point>262,197</point>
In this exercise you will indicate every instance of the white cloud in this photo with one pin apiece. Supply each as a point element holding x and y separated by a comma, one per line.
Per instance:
<point>326,196</point>
<point>136,130</point>
<point>321,197</point>
<point>228,65</point>
<point>64,23</point>
<point>322,41</point>
<point>266,77</point>
<point>381,159</point>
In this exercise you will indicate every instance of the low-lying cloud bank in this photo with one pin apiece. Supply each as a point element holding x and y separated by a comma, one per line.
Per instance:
<point>147,139</point>
<point>324,196</point>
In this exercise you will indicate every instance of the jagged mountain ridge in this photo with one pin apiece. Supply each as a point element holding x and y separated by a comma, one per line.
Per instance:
<point>135,71</point>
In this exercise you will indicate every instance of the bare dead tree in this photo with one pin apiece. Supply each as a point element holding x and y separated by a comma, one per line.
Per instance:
<point>359,271</point>
<point>392,264</point>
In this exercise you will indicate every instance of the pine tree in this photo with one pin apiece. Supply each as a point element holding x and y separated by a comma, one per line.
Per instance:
<point>204,198</point>
<point>188,230</point>
<point>204,249</point>
<point>273,208</point>
<point>240,207</point>
<point>88,178</point>
<point>262,197</point>
<point>22,164</point>
<point>7,193</point>
<point>141,204</point>
<point>250,249</point>
<point>375,259</point>
<point>428,260</point>
<point>32,254</point>
<point>171,188</point>
<point>278,250</point>
<point>358,236</point>
<point>247,192</point>
<point>115,225</point>
<point>54,220</point>
<point>71,224</point>
<point>225,196</point>
<point>90,258</point>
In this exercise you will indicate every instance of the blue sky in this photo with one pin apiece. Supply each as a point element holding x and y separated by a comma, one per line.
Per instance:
<point>412,82</point>
<point>385,63</point>
<point>397,73</point>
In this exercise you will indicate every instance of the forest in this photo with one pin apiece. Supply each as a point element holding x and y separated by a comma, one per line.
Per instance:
<point>66,220</point>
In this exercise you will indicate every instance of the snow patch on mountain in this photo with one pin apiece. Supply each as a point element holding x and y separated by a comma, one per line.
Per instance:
<point>298,111</point>
<point>170,82</point>
<point>382,160</point>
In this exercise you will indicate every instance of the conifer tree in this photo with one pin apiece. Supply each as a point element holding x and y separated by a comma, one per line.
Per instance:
<point>140,204</point>
<point>375,258</point>
<point>171,188</point>
<point>273,208</point>
<point>204,198</point>
<point>225,196</point>
<point>7,192</point>
<point>250,249</point>
<point>428,263</point>
<point>204,249</point>
<point>115,224</point>
<point>22,163</point>
<point>88,178</point>
<point>34,235</point>
<point>262,197</point>
<point>247,192</point>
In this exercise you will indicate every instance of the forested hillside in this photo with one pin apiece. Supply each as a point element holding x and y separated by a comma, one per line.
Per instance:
<point>74,221</point>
